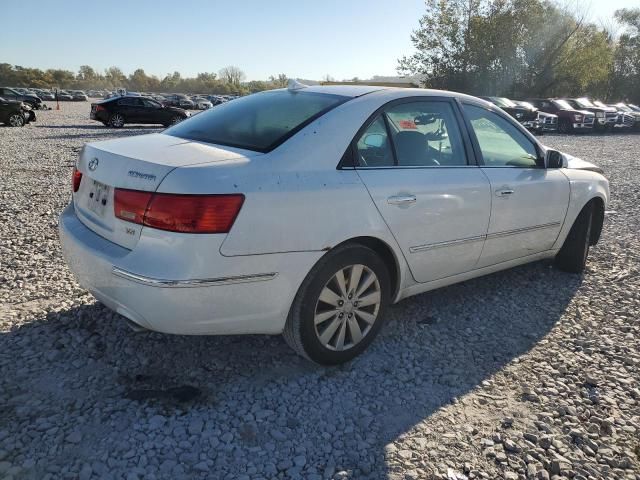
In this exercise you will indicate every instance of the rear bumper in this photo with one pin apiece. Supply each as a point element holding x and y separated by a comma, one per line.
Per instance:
<point>245,295</point>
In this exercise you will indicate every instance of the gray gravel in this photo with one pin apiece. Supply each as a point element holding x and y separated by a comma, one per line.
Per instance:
<point>525,374</point>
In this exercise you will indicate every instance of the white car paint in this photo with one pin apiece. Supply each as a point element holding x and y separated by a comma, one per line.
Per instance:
<point>298,206</point>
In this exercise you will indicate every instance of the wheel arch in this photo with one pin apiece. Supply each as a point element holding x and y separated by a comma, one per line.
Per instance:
<point>597,219</point>
<point>388,256</point>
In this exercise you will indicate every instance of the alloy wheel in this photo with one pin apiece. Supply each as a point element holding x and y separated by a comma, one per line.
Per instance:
<point>16,120</point>
<point>347,307</point>
<point>117,120</point>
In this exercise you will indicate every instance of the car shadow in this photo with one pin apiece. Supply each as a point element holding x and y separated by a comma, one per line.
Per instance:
<point>434,348</point>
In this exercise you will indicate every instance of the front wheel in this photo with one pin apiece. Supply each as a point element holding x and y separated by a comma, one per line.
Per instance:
<point>339,307</point>
<point>16,120</point>
<point>572,257</point>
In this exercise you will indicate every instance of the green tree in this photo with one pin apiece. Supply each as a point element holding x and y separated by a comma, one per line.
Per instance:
<point>626,69</point>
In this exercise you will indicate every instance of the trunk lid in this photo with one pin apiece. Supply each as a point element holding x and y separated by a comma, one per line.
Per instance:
<point>136,163</point>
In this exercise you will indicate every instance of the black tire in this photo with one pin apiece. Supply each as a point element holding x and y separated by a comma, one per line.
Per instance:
<point>572,257</point>
<point>300,331</point>
<point>116,120</point>
<point>16,120</point>
<point>564,126</point>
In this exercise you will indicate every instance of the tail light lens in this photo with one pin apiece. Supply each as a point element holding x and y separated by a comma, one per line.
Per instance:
<point>76,178</point>
<point>99,108</point>
<point>178,213</point>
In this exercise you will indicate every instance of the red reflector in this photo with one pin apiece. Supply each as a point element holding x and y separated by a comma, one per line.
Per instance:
<point>76,178</point>
<point>178,213</point>
<point>130,205</point>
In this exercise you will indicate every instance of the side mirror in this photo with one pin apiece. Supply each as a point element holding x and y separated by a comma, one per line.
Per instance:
<point>554,159</point>
<point>374,140</point>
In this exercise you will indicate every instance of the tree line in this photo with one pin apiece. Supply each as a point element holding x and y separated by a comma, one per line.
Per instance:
<point>525,48</point>
<point>229,80</point>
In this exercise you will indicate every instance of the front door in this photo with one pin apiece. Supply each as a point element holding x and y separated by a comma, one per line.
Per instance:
<point>412,159</point>
<point>529,202</point>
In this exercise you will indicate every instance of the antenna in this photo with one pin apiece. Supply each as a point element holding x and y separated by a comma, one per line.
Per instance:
<point>294,85</point>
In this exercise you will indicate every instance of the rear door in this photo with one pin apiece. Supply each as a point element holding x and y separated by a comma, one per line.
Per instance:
<point>413,157</point>
<point>131,108</point>
<point>529,202</point>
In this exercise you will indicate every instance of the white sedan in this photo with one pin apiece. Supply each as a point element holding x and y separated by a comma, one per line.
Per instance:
<point>307,210</point>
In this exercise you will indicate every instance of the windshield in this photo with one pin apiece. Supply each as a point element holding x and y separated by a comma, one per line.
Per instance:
<point>527,104</point>
<point>562,104</point>
<point>584,103</point>
<point>598,103</point>
<point>258,122</point>
<point>634,107</point>
<point>623,107</point>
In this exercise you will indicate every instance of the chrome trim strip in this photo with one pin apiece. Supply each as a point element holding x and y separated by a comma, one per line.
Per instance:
<point>431,246</point>
<point>523,230</point>
<point>200,282</point>
<point>462,241</point>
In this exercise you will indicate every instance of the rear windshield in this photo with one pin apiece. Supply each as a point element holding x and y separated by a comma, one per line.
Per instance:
<point>258,122</point>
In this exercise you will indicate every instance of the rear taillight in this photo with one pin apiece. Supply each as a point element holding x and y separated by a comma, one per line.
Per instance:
<point>99,108</point>
<point>178,213</point>
<point>76,178</point>
<point>130,205</point>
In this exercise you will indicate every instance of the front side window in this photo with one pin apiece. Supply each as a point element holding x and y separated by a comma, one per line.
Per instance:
<point>150,103</point>
<point>259,122</point>
<point>502,144</point>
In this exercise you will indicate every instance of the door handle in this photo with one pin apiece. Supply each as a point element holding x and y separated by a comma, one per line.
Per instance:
<point>401,200</point>
<point>505,192</point>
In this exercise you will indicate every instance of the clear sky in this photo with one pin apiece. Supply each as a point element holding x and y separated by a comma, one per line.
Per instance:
<point>301,38</point>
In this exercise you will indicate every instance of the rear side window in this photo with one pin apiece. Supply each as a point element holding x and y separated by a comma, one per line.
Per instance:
<point>423,134</point>
<point>259,122</point>
<point>426,134</point>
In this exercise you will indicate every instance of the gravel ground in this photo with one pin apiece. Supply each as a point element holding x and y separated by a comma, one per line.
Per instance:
<point>528,373</point>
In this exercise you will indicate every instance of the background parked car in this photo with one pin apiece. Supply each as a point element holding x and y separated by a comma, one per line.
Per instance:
<point>606,118</point>
<point>79,96</point>
<point>628,110</point>
<point>63,95</point>
<point>201,103</point>
<point>527,116</point>
<point>179,100</point>
<point>15,113</point>
<point>118,111</point>
<point>623,120</point>
<point>570,119</point>
<point>548,122</point>
<point>216,99</point>
<point>46,95</point>
<point>11,94</point>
